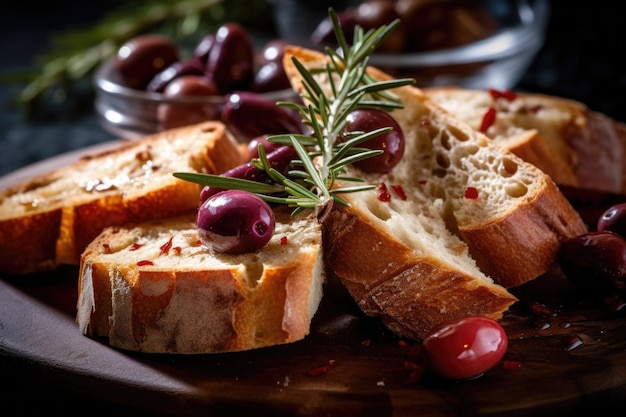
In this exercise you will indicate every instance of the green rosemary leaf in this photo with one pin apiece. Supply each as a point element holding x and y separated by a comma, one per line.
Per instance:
<point>285,139</point>
<point>355,189</point>
<point>312,86</point>
<point>76,53</point>
<point>339,35</point>
<point>356,157</point>
<point>326,152</point>
<point>381,86</point>
<point>313,172</point>
<point>229,183</point>
<point>340,200</point>
<point>347,146</point>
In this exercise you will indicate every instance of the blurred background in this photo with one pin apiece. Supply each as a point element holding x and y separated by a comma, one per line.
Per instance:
<point>580,59</point>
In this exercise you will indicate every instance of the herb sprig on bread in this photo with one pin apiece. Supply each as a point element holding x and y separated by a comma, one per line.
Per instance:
<point>324,153</point>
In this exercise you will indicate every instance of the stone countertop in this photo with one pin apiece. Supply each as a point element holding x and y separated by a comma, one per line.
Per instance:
<point>581,59</point>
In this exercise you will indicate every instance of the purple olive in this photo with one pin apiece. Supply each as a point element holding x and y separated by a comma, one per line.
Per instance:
<point>391,143</point>
<point>613,220</point>
<point>279,159</point>
<point>271,77</point>
<point>141,58</point>
<point>175,114</point>
<point>253,146</point>
<point>249,115</point>
<point>595,260</point>
<point>230,63</point>
<point>235,222</point>
<point>324,33</point>
<point>203,48</point>
<point>178,69</point>
<point>273,51</point>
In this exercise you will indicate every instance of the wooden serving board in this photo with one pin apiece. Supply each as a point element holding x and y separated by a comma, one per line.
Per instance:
<point>566,356</point>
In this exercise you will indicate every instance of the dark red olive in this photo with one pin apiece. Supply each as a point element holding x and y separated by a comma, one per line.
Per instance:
<point>595,260</point>
<point>175,114</point>
<point>280,159</point>
<point>141,58</point>
<point>391,143</point>
<point>271,77</point>
<point>614,220</point>
<point>273,51</point>
<point>372,14</point>
<point>249,115</point>
<point>230,63</point>
<point>203,48</point>
<point>177,69</point>
<point>324,33</point>
<point>235,222</point>
<point>253,146</point>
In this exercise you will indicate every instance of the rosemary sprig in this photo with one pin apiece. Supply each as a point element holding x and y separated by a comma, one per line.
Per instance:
<point>59,74</point>
<point>324,155</point>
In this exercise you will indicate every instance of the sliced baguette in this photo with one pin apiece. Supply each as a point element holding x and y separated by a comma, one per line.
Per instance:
<point>434,256</point>
<point>49,220</point>
<point>190,300</point>
<point>574,145</point>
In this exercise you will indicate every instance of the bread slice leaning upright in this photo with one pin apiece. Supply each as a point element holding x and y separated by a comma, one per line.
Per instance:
<point>573,144</point>
<point>153,287</point>
<point>48,220</point>
<point>464,220</point>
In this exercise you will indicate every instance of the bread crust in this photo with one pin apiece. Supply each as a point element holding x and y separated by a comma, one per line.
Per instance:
<point>573,144</point>
<point>48,221</point>
<point>205,302</point>
<point>524,242</point>
<point>410,293</point>
<point>413,289</point>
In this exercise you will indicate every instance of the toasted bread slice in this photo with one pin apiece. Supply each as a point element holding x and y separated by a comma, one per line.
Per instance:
<point>573,144</point>
<point>435,255</point>
<point>187,299</point>
<point>49,220</point>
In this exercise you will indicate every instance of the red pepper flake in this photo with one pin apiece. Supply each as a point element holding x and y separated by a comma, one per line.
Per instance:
<point>540,309</point>
<point>471,193</point>
<point>145,263</point>
<point>383,193</point>
<point>198,242</point>
<point>106,248</point>
<point>505,94</point>
<point>488,119</point>
<point>536,109</point>
<point>283,241</point>
<point>178,250</point>
<point>135,246</point>
<point>321,370</point>
<point>511,364</point>
<point>165,248</point>
<point>366,342</point>
<point>422,182</point>
<point>399,190</point>
<point>402,343</point>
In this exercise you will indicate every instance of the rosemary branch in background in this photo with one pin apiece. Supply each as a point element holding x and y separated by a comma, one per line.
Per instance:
<point>77,53</point>
<point>324,154</point>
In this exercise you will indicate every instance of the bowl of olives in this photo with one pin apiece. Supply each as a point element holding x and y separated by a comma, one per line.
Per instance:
<point>151,84</point>
<point>466,43</point>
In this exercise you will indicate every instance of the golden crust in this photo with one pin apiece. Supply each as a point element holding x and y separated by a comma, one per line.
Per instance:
<point>64,219</point>
<point>411,293</point>
<point>412,289</point>
<point>573,144</point>
<point>199,302</point>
